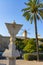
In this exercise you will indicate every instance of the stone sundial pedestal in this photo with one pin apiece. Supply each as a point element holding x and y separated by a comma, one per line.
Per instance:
<point>12,53</point>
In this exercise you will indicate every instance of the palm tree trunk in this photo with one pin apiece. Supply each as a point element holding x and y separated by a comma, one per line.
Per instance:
<point>37,1</point>
<point>35,23</point>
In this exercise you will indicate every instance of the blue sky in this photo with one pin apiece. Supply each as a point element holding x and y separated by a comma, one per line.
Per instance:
<point>10,10</point>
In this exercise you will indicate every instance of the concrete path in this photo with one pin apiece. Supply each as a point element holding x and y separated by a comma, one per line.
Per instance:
<point>22,62</point>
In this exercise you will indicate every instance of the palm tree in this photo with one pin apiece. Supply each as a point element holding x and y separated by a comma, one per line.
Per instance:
<point>34,12</point>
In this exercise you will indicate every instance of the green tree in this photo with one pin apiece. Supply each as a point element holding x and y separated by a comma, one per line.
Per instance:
<point>30,47</point>
<point>41,48</point>
<point>25,41</point>
<point>19,44</point>
<point>34,11</point>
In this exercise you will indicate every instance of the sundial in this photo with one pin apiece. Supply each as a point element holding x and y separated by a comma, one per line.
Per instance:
<point>12,53</point>
<point>13,29</point>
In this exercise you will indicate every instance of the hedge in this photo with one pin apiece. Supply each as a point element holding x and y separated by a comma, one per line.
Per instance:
<point>27,56</point>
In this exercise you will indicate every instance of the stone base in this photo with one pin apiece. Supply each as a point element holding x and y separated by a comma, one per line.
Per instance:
<point>11,52</point>
<point>11,61</point>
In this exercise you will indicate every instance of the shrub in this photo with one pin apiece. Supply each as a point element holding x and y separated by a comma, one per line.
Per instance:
<point>41,56</point>
<point>32,57</point>
<point>25,56</point>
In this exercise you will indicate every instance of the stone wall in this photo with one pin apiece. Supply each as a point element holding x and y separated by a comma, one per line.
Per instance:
<point>4,42</point>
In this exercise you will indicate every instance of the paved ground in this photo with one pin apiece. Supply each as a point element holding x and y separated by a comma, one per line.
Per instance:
<point>22,62</point>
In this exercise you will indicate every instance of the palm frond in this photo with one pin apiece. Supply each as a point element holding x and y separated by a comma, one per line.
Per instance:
<point>34,2</point>
<point>29,3</point>
<point>25,9</point>
<point>33,7</point>
<point>31,18</point>
<point>40,5</point>
<point>38,17</point>
<point>41,13</point>
<point>26,15</point>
